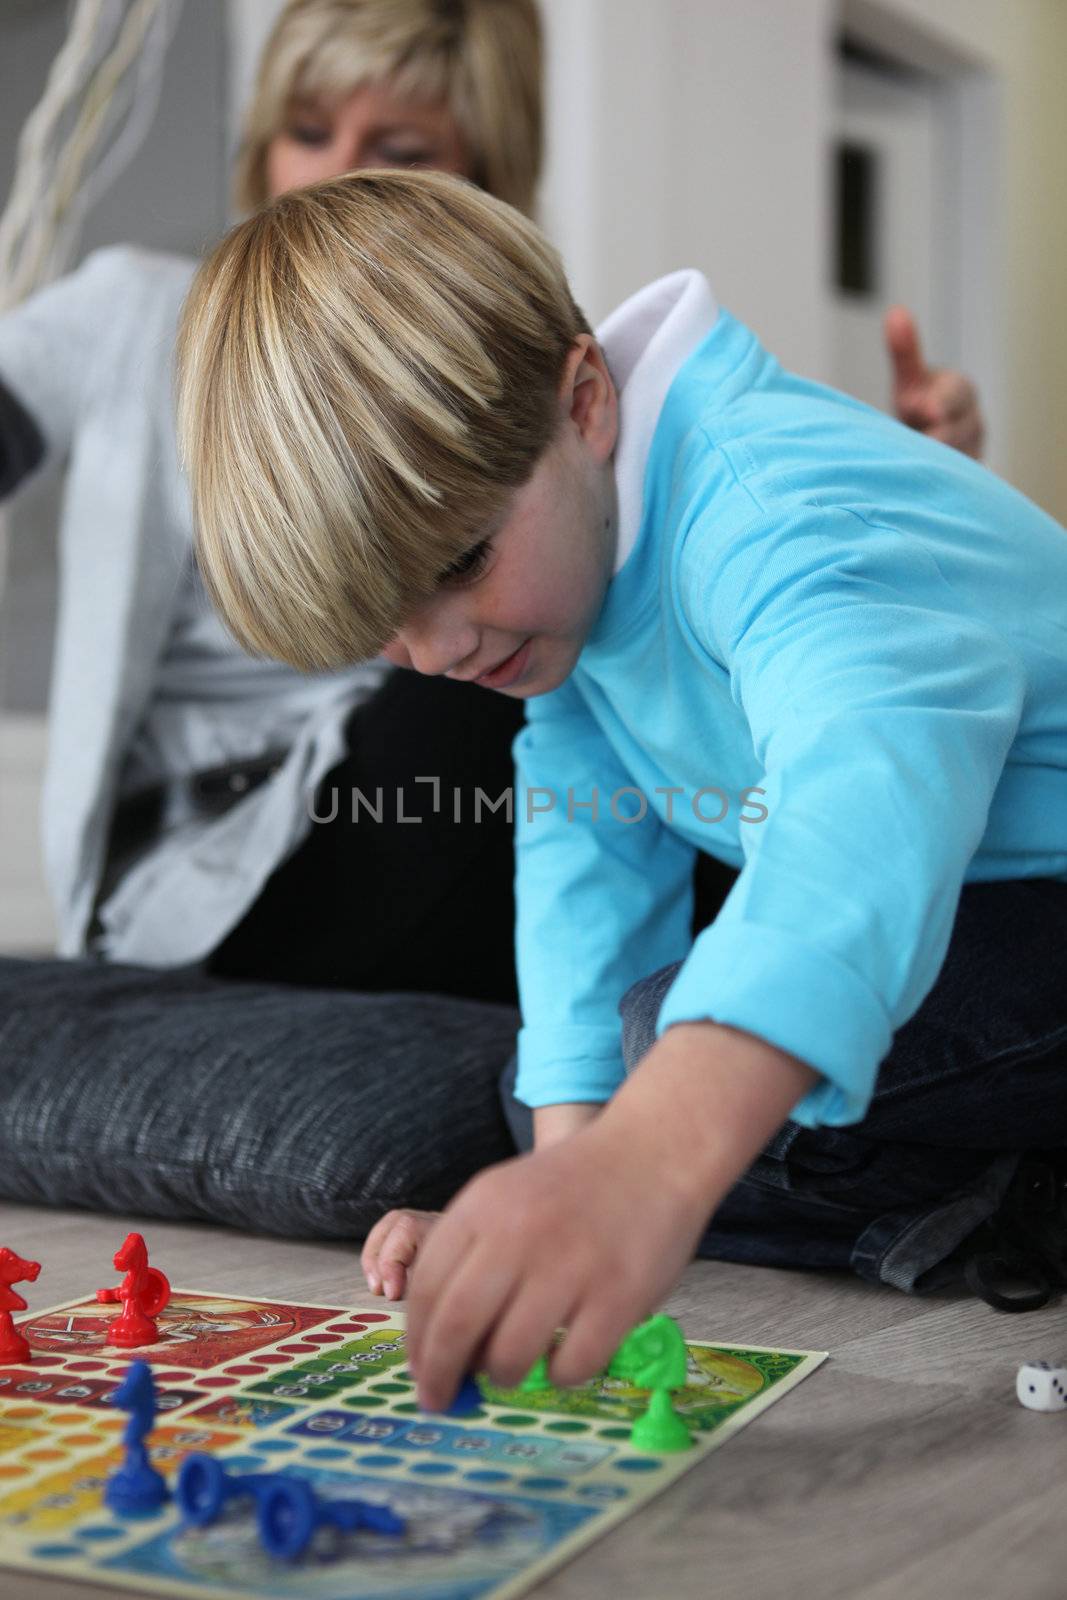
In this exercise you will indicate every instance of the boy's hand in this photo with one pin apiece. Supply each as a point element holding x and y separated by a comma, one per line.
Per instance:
<point>392,1245</point>
<point>932,400</point>
<point>592,1232</point>
<point>390,1249</point>
<point>580,1234</point>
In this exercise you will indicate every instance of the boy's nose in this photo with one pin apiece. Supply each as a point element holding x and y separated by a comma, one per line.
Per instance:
<point>434,654</point>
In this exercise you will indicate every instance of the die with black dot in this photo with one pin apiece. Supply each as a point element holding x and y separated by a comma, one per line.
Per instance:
<point>1041,1386</point>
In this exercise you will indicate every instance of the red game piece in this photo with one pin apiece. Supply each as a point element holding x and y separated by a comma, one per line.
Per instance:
<point>13,1269</point>
<point>144,1292</point>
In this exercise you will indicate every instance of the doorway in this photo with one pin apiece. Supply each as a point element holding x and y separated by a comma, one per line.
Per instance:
<point>913,213</point>
<point>892,239</point>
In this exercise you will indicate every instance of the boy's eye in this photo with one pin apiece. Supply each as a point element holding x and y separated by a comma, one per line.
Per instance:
<point>467,566</point>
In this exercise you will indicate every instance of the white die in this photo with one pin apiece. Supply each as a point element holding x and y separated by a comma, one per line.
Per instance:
<point>1041,1386</point>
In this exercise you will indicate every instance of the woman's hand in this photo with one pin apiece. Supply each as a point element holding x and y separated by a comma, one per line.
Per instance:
<point>933,400</point>
<point>390,1249</point>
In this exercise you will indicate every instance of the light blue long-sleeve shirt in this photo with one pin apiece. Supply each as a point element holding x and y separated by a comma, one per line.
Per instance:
<point>834,656</point>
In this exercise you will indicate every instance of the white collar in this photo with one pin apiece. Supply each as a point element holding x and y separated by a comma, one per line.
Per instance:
<point>645,341</point>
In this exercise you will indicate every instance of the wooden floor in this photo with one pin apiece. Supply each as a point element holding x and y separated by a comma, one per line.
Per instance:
<point>904,1467</point>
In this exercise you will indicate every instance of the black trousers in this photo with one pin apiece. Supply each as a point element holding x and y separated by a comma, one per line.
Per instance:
<point>396,904</point>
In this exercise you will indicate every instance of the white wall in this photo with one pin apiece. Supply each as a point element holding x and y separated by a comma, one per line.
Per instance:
<point>248,22</point>
<point>1024,42</point>
<point>692,133</point>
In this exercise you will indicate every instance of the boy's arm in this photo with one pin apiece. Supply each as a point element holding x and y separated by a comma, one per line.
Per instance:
<point>701,1105</point>
<point>883,717</point>
<point>593,1228</point>
<point>600,903</point>
<point>552,1123</point>
<point>588,926</point>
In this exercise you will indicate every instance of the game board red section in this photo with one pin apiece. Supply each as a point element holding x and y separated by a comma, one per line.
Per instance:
<point>62,1389</point>
<point>196,1331</point>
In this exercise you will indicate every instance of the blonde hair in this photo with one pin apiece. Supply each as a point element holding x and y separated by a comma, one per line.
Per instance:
<point>482,58</point>
<point>368,369</point>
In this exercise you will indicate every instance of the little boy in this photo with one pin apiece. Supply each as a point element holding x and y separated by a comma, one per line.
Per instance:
<point>751,617</point>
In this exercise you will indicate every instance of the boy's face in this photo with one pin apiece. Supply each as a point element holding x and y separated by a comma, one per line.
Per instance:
<point>517,619</point>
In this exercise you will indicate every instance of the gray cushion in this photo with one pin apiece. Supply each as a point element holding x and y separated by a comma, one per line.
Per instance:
<point>293,1111</point>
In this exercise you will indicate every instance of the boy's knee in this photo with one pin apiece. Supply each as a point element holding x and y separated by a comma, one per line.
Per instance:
<point>639,1010</point>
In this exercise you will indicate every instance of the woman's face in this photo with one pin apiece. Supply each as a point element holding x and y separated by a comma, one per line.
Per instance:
<point>371,127</point>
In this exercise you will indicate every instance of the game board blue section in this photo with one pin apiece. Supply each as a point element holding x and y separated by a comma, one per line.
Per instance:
<point>459,1545</point>
<point>442,1438</point>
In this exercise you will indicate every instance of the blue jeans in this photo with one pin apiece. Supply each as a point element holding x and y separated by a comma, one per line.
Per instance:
<point>976,1077</point>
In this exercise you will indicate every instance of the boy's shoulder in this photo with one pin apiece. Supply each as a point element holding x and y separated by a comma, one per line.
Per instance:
<point>741,479</point>
<point>741,439</point>
<point>780,432</point>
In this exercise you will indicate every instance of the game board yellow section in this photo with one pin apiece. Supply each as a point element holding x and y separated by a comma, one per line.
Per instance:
<point>492,1501</point>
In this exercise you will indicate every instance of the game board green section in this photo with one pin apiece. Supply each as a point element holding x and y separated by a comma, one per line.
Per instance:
<point>720,1380</point>
<point>347,1366</point>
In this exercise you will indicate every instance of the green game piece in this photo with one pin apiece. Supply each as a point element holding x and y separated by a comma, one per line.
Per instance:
<point>653,1356</point>
<point>536,1380</point>
<point>660,1428</point>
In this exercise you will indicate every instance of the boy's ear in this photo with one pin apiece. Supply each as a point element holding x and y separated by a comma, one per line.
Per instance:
<point>588,398</point>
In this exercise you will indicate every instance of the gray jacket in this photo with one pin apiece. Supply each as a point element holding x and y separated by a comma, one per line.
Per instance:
<point>90,360</point>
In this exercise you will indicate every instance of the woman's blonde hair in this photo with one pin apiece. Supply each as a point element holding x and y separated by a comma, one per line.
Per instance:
<point>482,58</point>
<point>368,369</point>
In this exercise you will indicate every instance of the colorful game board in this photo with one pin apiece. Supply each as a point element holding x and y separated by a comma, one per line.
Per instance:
<point>492,1501</point>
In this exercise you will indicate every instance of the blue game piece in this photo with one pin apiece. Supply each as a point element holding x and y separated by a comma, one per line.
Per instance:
<point>289,1512</point>
<point>468,1399</point>
<point>136,1487</point>
<point>204,1486</point>
<point>287,1509</point>
<point>285,1518</point>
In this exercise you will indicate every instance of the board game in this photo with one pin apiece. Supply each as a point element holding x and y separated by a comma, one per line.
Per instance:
<point>492,1501</point>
